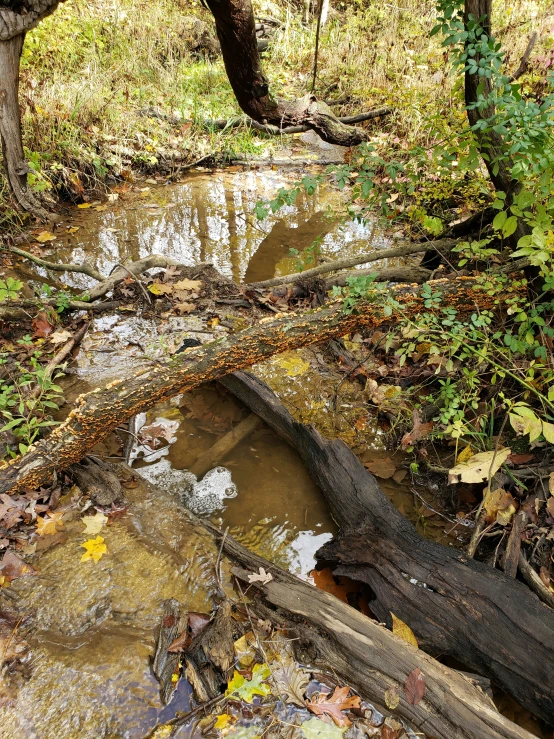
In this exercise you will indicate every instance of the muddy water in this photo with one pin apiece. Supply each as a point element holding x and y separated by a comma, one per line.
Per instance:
<point>209,217</point>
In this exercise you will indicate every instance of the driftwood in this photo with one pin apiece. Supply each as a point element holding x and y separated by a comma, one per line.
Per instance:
<point>222,447</point>
<point>442,246</point>
<point>456,606</point>
<point>389,274</point>
<point>102,410</point>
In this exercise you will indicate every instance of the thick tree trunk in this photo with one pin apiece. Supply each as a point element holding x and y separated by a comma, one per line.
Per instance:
<point>100,411</point>
<point>454,605</point>
<point>236,30</point>
<point>10,126</point>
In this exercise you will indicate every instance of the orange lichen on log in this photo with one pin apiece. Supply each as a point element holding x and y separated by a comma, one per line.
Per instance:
<point>100,411</point>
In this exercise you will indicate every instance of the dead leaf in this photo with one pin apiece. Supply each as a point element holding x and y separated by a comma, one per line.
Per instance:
<point>521,458</point>
<point>399,628</point>
<point>333,705</point>
<point>13,567</point>
<point>551,483</point>
<point>163,428</point>
<point>419,431</point>
<point>180,643</point>
<point>42,328</point>
<point>392,729</point>
<point>82,206</point>
<point>45,236</point>
<point>550,507</point>
<point>60,337</point>
<point>184,307</point>
<point>392,699</point>
<point>291,681</point>
<point>48,526</point>
<point>414,687</point>
<point>159,288</point>
<point>466,453</point>
<point>262,577</point>
<point>383,468</point>
<point>479,467</point>
<point>94,524</point>
<point>499,506</point>
<point>186,284</point>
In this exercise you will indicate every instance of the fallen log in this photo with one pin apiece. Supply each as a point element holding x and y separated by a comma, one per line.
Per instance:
<point>222,447</point>
<point>368,657</point>
<point>455,606</point>
<point>441,246</point>
<point>389,274</point>
<point>100,411</point>
<point>330,635</point>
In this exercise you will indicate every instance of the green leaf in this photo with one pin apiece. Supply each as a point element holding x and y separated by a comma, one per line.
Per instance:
<point>499,220</point>
<point>247,689</point>
<point>315,728</point>
<point>509,227</point>
<point>548,432</point>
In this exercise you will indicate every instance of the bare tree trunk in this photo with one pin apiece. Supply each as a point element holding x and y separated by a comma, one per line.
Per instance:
<point>235,26</point>
<point>10,126</point>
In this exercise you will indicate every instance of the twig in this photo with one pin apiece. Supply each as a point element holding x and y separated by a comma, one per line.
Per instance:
<point>136,278</point>
<point>525,58</point>
<point>218,560</point>
<point>316,53</point>
<point>60,357</point>
<point>479,517</point>
<point>534,581</point>
<point>81,268</point>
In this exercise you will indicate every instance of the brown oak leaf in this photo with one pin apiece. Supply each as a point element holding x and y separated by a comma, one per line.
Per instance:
<point>333,705</point>
<point>419,431</point>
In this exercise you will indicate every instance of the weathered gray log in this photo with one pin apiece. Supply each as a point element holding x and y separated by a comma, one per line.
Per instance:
<point>454,605</point>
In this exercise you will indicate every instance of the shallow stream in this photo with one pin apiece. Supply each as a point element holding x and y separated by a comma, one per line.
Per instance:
<point>91,626</point>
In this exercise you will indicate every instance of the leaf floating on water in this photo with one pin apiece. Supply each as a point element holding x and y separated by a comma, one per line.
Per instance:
<point>50,525</point>
<point>315,728</point>
<point>293,365</point>
<point>414,686</point>
<point>95,549</point>
<point>223,721</point>
<point>392,699</point>
<point>383,468</point>
<point>246,689</point>
<point>45,236</point>
<point>94,524</point>
<point>399,628</point>
<point>479,467</point>
<point>291,681</point>
<point>333,705</point>
<point>82,206</point>
<point>261,576</point>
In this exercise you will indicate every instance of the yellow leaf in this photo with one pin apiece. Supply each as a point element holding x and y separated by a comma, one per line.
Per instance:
<point>399,628</point>
<point>392,699</point>
<point>293,365</point>
<point>499,506</point>
<point>73,229</point>
<point>84,205</point>
<point>247,689</point>
<point>49,526</point>
<point>101,207</point>
<point>223,721</point>
<point>479,467</point>
<point>95,549</point>
<point>551,483</point>
<point>464,455</point>
<point>45,236</point>
<point>160,289</point>
<point>94,524</point>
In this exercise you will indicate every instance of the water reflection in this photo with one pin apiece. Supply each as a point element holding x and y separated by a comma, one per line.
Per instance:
<point>210,218</point>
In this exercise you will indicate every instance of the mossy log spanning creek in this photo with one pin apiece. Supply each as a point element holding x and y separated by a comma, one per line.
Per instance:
<point>100,411</point>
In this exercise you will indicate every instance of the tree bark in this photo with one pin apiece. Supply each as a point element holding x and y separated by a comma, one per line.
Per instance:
<point>236,31</point>
<point>454,605</point>
<point>102,410</point>
<point>10,126</point>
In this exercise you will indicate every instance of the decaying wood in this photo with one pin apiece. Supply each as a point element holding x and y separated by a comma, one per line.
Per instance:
<point>84,269</point>
<point>454,605</point>
<point>442,246</point>
<point>166,663</point>
<point>535,583</point>
<point>236,31</point>
<point>389,274</point>
<point>222,447</point>
<point>102,410</point>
